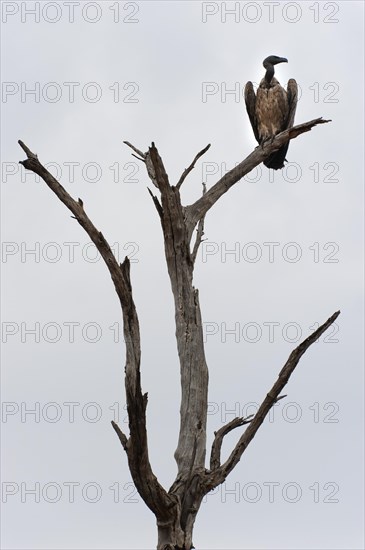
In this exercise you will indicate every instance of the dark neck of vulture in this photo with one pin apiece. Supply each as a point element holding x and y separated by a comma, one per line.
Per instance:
<point>269,63</point>
<point>270,71</point>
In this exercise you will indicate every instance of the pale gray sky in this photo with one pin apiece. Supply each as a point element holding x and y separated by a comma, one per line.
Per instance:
<point>284,251</point>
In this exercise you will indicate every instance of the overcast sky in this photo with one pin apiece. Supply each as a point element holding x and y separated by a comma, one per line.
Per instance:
<point>283,251</point>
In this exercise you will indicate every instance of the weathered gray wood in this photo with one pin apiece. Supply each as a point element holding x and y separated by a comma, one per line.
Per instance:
<point>176,509</point>
<point>218,473</point>
<point>196,211</point>
<point>154,495</point>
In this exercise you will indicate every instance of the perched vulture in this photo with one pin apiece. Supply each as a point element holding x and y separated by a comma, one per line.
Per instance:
<point>272,109</point>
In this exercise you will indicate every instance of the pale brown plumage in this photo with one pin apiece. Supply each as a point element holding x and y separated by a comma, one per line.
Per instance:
<point>272,109</point>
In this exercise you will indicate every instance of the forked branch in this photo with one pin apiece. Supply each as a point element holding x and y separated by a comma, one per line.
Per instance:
<point>199,208</point>
<point>215,455</point>
<point>141,156</point>
<point>219,475</point>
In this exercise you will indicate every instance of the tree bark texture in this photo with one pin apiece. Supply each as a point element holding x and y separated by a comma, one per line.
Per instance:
<point>176,509</point>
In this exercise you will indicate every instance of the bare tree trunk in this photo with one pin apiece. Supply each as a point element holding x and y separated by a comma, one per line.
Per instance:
<point>175,510</point>
<point>191,449</point>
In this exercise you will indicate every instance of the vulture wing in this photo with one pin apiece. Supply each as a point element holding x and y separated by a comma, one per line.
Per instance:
<point>292,93</point>
<point>250,100</point>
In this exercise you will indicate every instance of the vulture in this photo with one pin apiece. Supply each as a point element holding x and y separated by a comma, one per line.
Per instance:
<point>271,110</point>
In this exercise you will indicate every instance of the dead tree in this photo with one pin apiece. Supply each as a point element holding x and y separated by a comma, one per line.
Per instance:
<point>176,509</point>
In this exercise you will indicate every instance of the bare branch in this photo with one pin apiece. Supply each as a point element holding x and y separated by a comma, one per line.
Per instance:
<point>189,333</point>
<point>280,397</point>
<point>197,210</point>
<point>154,495</point>
<point>190,168</point>
<point>220,474</point>
<point>77,209</point>
<point>122,437</point>
<point>199,232</point>
<point>156,202</point>
<point>158,173</point>
<point>138,158</point>
<point>215,455</point>
<point>27,151</point>
<point>143,155</point>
